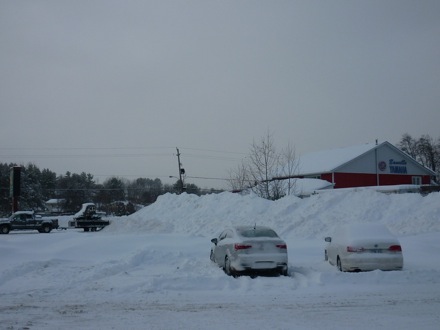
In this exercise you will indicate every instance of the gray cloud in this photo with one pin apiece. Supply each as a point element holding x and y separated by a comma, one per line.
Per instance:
<point>210,75</point>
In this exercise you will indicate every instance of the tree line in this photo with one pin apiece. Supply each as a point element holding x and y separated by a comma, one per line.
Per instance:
<point>115,195</point>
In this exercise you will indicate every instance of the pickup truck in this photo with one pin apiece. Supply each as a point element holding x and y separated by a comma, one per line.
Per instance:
<point>27,220</point>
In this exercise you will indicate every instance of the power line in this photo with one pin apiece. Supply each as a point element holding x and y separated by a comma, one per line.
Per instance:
<point>82,148</point>
<point>119,148</point>
<point>206,178</point>
<point>117,155</point>
<point>211,157</point>
<point>218,151</point>
<point>117,152</point>
<point>87,155</point>
<point>112,148</point>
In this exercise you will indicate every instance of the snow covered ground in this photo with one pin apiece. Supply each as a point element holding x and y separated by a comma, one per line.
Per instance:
<point>151,270</point>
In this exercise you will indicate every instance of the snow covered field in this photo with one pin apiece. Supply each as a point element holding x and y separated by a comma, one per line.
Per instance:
<point>151,270</point>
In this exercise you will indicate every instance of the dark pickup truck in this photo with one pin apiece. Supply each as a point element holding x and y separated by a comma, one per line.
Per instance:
<point>26,220</point>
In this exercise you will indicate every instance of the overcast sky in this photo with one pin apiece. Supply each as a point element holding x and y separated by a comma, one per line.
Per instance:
<point>113,87</point>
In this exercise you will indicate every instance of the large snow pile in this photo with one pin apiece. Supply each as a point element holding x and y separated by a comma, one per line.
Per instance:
<point>151,270</point>
<point>290,216</point>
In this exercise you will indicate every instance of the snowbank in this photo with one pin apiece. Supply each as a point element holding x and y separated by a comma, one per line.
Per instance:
<point>291,217</point>
<point>151,270</point>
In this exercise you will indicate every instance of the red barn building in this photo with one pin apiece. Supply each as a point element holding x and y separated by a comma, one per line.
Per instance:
<point>366,165</point>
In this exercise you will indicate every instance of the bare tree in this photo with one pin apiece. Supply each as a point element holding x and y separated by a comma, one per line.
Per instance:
<point>409,145</point>
<point>263,166</point>
<point>239,178</point>
<point>266,172</point>
<point>289,168</point>
<point>427,153</point>
<point>425,150</point>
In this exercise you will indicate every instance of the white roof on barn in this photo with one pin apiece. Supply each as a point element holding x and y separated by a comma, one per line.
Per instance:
<point>327,160</point>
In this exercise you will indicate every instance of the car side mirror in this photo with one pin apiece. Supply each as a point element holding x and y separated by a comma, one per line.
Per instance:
<point>215,241</point>
<point>328,239</point>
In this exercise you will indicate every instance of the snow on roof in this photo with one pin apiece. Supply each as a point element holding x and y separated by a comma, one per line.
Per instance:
<point>55,201</point>
<point>327,160</point>
<point>83,209</point>
<point>366,231</point>
<point>308,186</point>
<point>24,212</point>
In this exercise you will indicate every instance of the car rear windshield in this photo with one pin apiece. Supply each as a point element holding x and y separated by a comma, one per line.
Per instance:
<point>257,232</point>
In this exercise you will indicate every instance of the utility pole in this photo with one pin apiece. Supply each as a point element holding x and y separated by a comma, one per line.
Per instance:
<point>181,171</point>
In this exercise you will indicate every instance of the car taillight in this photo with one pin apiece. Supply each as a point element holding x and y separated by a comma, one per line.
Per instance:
<point>242,246</point>
<point>355,249</point>
<point>395,248</point>
<point>281,246</point>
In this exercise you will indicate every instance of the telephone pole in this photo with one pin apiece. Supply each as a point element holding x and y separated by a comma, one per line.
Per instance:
<point>181,171</point>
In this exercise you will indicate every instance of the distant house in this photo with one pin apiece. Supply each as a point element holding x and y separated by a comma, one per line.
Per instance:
<point>365,165</point>
<point>55,205</point>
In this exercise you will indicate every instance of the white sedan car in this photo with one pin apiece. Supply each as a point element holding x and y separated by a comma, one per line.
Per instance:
<point>364,247</point>
<point>250,250</point>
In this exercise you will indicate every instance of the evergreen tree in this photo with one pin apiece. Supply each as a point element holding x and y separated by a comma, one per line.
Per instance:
<point>76,189</point>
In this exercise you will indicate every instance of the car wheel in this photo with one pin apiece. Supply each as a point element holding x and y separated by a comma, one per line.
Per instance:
<point>284,272</point>
<point>339,264</point>
<point>227,268</point>
<point>46,229</point>
<point>4,229</point>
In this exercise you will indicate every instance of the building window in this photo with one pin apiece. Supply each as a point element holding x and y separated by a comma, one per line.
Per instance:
<point>417,180</point>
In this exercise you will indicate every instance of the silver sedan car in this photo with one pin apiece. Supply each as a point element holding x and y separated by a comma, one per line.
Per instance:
<point>364,247</point>
<point>250,250</point>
